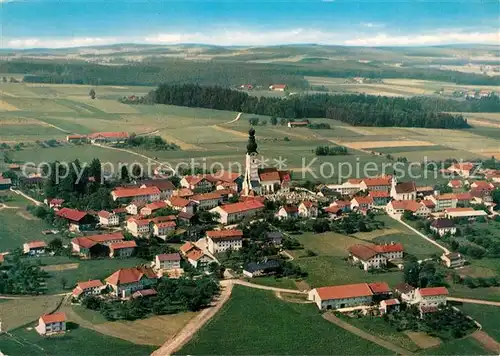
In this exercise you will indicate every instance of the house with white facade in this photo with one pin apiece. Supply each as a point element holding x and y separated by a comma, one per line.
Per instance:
<point>343,296</point>
<point>430,299</point>
<point>50,324</point>
<point>400,206</point>
<point>222,240</point>
<point>404,191</point>
<point>92,287</point>
<point>375,256</point>
<point>453,259</point>
<point>147,194</point>
<point>362,203</point>
<point>287,211</point>
<point>181,204</point>
<point>107,218</point>
<point>206,201</point>
<point>125,281</point>
<point>134,208</point>
<point>443,226</point>
<point>162,229</point>
<point>405,292</point>
<point>230,213</point>
<point>34,248</point>
<point>167,261</point>
<point>308,209</point>
<point>443,201</point>
<point>346,188</point>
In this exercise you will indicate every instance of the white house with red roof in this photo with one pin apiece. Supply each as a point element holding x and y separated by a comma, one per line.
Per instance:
<point>222,240</point>
<point>389,306</point>
<point>143,193</point>
<point>362,203</point>
<point>468,213</point>
<point>107,218</point>
<point>95,245</point>
<point>161,229</point>
<point>135,206</point>
<point>49,324</point>
<point>375,256</point>
<point>181,204</point>
<point>278,87</point>
<point>125,281</point>
<point>343,296</point>
<point>150,208</point>
<point>383,183</point>
<point>77,220</point>
<point>443,201</point>
<point>400,206</point>
<point>54,203</point>
<point>430,299</point>
<point>463,169</point>
<point>230,213</point>
<point>308,209</point>
<point>91,287</point>
<point>167,261</point>
<point>34,248</point>
<point>482,186</point>
<point>108,137</point>
<point>287,211</point>
<point>122,249</point>
<point>455,184</point>
<point>198,183</point>
<point>165,186</point>
<point>205,201</point>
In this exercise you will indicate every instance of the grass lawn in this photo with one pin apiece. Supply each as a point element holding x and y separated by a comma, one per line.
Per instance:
<point>87,269</point>
<point>92,316</point>
<point>79,341</point>
<point>286,283</point>
<point>262,324</point>
<point>467,346</point>
<point>486,315</point>
<point>378,327</point>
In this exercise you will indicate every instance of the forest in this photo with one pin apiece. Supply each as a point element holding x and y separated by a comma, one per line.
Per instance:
<point>354,109</point>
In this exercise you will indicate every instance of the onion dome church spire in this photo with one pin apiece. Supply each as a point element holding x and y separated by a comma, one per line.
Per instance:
<point>251,145</point>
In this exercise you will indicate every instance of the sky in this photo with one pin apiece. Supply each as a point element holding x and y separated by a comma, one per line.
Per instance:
<point>72,23</point>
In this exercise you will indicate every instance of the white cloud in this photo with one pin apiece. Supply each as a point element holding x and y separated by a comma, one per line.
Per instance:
<point>372,25</point>
<point>253,38</point>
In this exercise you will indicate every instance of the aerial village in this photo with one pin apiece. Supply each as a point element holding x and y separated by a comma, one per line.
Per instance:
<point>254,209</point>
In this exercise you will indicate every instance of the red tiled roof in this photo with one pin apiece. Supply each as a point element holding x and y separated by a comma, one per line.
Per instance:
<point>456,210</point>
<point>269,176</point>
<point>279,86</point>
<point>56,201</point>
<point>206,196</point>
<point>344,291</point>
<point>298,123</point>
<point>428,203</point>
<point>354,180</point>
<point>155,205</point>
<point>195,255</point>
<point>224,234</point>
<point>396,247</point>
<point>109,135</point>
<point>290,209</point>
<point>188,246</point>
<point>389,302</point>
<point>433,291</point>
<point>123,244</point>
<point>379,194</point>
<point>184,192</point>
<point>36,244</point>
<point>58,317</point>
<point>130,275</point>
<point>138,203</point>
<point>363,200</point>
<point>464,196</point>
<point>308,203</point>
<point>169,257</point>
<point>162,184</point>
<point>95,283</point>
<point>364,252</point>
<point>144,293</point>
<point>447,196</point>
<point>178,202</point>
<point>119,210</point>
<point>71,214</point>
<point>465,166</point>
<point>185,215</point>
<point>481,184</point>
<point>332,209</point>
<point>135,192</point>
<point>166,224</point>
<point>405,187</point>
<point>342,203</point>
<point>455,183</point>
<point>194,180</point>
<point>379,287</point>
<point>89,241</point>
<point>104,214</point>
<point>379,181</point>
<point>242,206</point>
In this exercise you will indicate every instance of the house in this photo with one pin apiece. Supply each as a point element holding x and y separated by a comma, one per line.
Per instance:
<point>165,186</point>
<point>452,259</point>
<point>183,193</point>
<point>493,175</point>
<point>143,193</point>
<point>482,186</point>
<point>122,249</point>
<point>95,245</point>
<point>226,180</point>
<point>469,213</point>
<point>207,201</point>
<point>138,227</point>
<point>400,206</point>
<point>185,218</point>
<point>334,212</point>
<point>91,287</point>
<point>197,183</point>
<point>308,209</point>
<point>198,259</point>
<point>187,247</point>
<point>54,203</point>
<point>150,208</point>
<point>77,220</point>
<point>425,191</point>
<point>444,201</point>
<point>163,228</point>
<point>125,281</point>
<point>343,296</point>
<point>167,261</point>
<point>389,306</point>
<point>429,204</point>
<point>76,138</point>
<point>275,238</point>
<point>108,137</point>
<point>221,240</point>
<point>134,208</point>
<point>49,324</point>
<point>181,204</point>
<point>464,199</point>
<point>5,183</point>
<point>404,191</point>
<point>107,218</point>
<point>292,124</point>
<point>455,184</point>
<point>278,87</point>
<point>463,169</point>
<point>344,205</point>
<point>230,213</point>
<point>287,211</point>
<point>443,226</point>
<point>271,180</point>
<point>405,291</point>
<point>346,188</point>
<point>34,248</point>
<point>380,198</point>
<point>375,256</point>
<point>256,269</point>
<point>362,203</point>
<point>430,299</point>
<point>383,183</point>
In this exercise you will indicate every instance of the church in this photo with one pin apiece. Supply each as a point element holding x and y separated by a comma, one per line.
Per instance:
<point>261,181</point>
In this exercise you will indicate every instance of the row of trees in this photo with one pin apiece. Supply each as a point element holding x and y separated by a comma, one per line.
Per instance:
<point>350,108</point>
<point>330,150</point>
<point>153,143</point>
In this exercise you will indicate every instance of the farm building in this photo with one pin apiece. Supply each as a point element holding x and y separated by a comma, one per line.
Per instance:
<point>128,280</point>
<point>122,249</point>
<point>452,259</point>
<point>278,87</point>
<point>148,194</point>
<point>375,256</point>
<point>292,124</point>
<point>230,213</point>
<point>77,220</point>
<point>34,248</point>
<point>95,245</point>
<point>470,213</point>
<point>108,137</point>
<point>5,183</point>
<point>205,201</point>
<point>343,296</point>
<point>256,269</point>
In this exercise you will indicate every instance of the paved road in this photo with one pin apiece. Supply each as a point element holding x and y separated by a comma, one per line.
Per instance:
<point>398,218</point>
<point>18,192</point>
<point>363,334</point>
<point>474,301</point>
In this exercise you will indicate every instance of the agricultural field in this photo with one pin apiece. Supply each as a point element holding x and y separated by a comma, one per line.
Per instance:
<point>486,315</point>
<point>276,327</point>
<point>77,341</point>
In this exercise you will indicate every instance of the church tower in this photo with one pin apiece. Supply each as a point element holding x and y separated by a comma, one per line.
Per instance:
<point>251,181</point>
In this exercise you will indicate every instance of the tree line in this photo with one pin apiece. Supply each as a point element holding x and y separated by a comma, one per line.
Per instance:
<point>354,109</point>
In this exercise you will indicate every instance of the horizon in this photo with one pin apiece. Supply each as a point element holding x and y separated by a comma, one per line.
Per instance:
<point>46,24</point>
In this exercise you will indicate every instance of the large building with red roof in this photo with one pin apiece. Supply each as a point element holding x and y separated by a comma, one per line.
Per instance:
<point>222,240</point>
<point>125,281</point>
<point>345,296</point>
<point>77,220</point>
<point>143,193</point>
<point>108,137</point>
<point>91,287</point>
<point>230,213</point>
<point>95,245</point>
<point>375,256</point>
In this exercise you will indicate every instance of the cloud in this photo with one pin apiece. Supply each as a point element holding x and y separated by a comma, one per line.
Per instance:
<point>253,38</point>
<point>372,25</point>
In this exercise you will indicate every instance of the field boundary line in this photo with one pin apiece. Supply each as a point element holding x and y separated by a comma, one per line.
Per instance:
<point>474,301</point>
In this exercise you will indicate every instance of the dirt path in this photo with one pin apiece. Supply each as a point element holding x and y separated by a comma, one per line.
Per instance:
<point>398,218</point>
<point>4,206</point>
<point>18,192</point>
<point>474,301</point>
<point>363,334</point>
<point>487,341</point>
<point>274,289</point>
<point>290,300</point>
<point>179,340</point>
<point>236,119</point>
